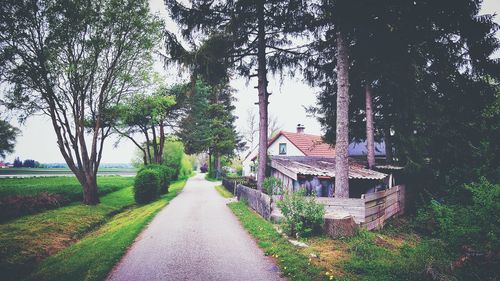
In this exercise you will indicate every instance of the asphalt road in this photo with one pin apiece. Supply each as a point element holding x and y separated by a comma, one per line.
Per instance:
<point>196,237</point>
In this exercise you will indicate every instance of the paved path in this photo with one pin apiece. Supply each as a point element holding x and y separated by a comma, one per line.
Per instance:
<point>196,237</point>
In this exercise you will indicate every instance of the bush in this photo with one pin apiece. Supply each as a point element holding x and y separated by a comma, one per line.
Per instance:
<point>470,230</point>
<point>302,215</point>
<point>273,186</point>
<point>165,175</point>
<point>146,186</point>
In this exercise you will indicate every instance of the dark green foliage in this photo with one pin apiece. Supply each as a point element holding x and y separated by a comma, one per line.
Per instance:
<point>165,174</point>
<point>147,186</point>
<point>469,230</point>
<point>303,216</point>
<point>8,135</point>
<point>435,98</point>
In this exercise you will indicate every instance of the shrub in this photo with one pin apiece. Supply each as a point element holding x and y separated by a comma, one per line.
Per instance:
<point>469,230</point>
<point>165,175</point>
<point>146,186</point>
<point>273,186</point>
<point>302,215</point>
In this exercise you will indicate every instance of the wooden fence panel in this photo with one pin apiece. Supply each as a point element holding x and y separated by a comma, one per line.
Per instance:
<point>382,205</point>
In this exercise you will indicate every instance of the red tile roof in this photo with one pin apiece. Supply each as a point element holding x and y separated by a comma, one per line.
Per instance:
<point>310,145</point>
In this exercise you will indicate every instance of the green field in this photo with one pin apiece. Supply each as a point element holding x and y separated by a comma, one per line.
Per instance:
<point>115,222</point>
<point>63,171</point>
<point>66,186</point>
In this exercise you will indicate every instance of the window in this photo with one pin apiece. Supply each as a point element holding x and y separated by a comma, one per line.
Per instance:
<point>282,148</point>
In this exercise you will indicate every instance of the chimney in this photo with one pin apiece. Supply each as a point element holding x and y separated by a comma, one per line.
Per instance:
<point>300,129</point>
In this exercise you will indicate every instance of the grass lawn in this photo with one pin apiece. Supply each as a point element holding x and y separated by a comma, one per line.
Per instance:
<point>395,253</point>
<point>66,186</point>
<point>93,257</point>
<point>293,263</point>
<point>223,191</point>
<point>27,240</point>
<point>62,171</point>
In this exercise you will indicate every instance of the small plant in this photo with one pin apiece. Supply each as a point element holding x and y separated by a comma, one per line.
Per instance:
<point>273,186</point>
<point>146,186</point>
<point>303,216</point>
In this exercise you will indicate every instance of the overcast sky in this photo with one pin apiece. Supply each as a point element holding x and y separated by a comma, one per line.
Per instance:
<point>287,103</point>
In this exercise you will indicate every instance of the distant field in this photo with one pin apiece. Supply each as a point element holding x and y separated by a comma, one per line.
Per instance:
<point>66,186</point>
<point>62,171</point>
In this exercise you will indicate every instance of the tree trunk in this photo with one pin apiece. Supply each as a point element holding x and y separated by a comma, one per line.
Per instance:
<point>90,195</point>
<point>389,157</point>
<point>156,158</point>
<point>217,164</point>
<point>162,141</point>
<point>209,164</point>
<point>263,95</point>
<point>342,126</point>
<point>370,139</point>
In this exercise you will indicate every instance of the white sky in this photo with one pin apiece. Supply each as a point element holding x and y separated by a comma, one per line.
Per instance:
<point>287,103</point>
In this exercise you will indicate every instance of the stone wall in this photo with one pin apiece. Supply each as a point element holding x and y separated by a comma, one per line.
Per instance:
<point>257,200</point>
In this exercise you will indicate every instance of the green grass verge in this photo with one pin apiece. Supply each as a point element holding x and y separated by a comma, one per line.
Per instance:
<point>69,187</point>
<point>223,191</point>
<point>293,263</point>
<point>93,257</point>
<point>27,240</point>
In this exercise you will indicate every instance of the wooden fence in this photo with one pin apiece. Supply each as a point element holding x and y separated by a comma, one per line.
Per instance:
<point>382,205</point>
<point>371,210</point>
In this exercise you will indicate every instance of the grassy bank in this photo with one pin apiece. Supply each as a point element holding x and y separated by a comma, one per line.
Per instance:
<point>395,253</point>
<point>26,241</point>
<point>293,263</point>
<point>93,257</point>
<point>66,186</point>
<point>223,191</point>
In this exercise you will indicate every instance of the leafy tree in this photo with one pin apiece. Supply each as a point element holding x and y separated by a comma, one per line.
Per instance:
<point>17,163</point>
<point>209,123</point>
<point>8,135</point>
<point>148,115</point>
<point>249,34</point>
<point>73,61</point>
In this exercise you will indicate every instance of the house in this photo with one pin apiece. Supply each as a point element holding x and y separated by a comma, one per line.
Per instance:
<point>303,160</point>
<point>248,163</point>
<point>290,144</point>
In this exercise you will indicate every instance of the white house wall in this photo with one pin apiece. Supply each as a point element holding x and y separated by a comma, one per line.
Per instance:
<point>291,149</point>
